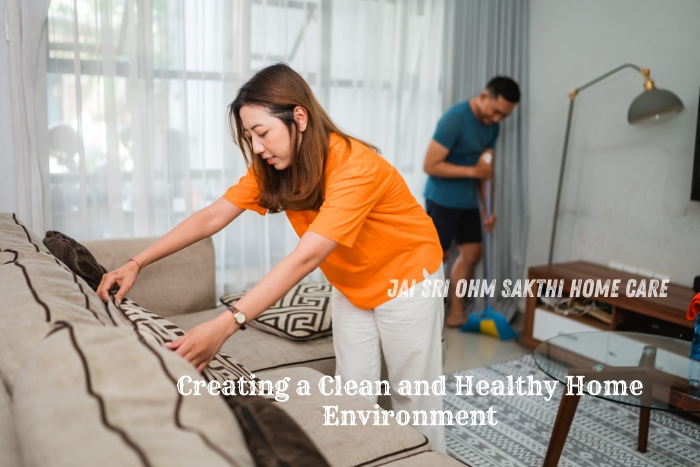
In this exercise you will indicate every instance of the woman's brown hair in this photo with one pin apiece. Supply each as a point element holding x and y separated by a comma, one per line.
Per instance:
<point>279,90</point>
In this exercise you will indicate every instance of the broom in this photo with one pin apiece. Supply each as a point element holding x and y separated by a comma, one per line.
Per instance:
<point>488,321</point>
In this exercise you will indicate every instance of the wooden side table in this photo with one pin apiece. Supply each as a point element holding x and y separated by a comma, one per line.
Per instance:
<point>636,310</point>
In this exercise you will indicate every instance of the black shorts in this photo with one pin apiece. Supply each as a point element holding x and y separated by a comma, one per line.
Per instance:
<point>460,225</point>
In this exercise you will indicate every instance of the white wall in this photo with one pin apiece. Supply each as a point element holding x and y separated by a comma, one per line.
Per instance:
<point>8,187</point>
<point>626,196</point>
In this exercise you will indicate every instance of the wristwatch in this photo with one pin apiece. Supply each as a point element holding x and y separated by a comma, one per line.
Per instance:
<point>239,316</point>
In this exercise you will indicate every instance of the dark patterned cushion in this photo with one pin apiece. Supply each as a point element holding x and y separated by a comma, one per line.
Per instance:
<point>152,327</point>
<point>303,313</point>
<point>76,257</point>
<point>274,439</point>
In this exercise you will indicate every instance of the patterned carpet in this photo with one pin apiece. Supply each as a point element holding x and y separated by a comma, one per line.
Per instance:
<point>603,433</point>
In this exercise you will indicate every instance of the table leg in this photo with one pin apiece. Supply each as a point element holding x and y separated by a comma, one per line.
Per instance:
<point>643,436</point>
<point>562,424</point>
<point>647,360</point>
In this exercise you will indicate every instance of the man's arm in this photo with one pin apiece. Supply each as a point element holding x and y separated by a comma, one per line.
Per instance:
<point>436,165</point>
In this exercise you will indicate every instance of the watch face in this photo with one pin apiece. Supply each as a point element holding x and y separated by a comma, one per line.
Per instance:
<point>240,317</point>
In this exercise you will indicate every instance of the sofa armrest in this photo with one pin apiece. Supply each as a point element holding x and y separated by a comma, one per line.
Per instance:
<point>184,282</point>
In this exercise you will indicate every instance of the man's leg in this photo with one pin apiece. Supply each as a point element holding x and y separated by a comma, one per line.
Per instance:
<point>445,220</point>
<point>463,268</point>
<point>468,237</point>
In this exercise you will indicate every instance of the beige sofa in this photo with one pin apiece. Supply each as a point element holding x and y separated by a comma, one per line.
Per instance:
<point>181,288</point>
<point>81,389</point>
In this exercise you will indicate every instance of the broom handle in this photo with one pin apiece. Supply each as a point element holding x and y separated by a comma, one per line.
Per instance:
<point>488,239</point>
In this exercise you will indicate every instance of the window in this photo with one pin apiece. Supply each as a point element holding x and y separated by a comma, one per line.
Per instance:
<point>138,94</point>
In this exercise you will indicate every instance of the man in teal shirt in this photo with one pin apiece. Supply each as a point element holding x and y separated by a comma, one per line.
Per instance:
<point>456,171</point>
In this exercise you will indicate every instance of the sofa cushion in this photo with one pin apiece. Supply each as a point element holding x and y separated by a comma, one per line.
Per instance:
<point>259,418</point>
<point>94,395</point>
<point>161,331</point>
<point>303,313</point>
<point>368,445</point>
<point>259,351</point>
<point>15,236</point>
<point>76,257</point>
<point>9,449</point>
<point>274,438</point>
<point>183,282</point>
<point>37,291</point>
<point>426,458</point>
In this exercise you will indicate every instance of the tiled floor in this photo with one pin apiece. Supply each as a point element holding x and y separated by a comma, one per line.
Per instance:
<point>468,350</point>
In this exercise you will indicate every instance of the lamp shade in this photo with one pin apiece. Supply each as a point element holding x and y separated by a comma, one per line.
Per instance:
<point>652,105</point>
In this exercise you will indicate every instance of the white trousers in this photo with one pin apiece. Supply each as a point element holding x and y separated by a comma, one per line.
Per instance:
<point>408,332</point>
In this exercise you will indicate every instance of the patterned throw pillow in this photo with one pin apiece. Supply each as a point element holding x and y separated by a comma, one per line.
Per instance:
<point>152,327</point>
<point>304,313</point>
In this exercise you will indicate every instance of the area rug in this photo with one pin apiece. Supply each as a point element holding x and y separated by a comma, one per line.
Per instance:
<point>603,433</point>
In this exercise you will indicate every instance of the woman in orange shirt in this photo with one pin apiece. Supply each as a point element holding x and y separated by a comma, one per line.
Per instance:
<point>356,220</point>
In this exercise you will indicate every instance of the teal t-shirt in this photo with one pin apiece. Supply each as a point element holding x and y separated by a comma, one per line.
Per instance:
<point>466,138</point>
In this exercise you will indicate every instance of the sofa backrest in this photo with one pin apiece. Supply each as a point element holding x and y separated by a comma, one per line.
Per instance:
<point>184,282</point>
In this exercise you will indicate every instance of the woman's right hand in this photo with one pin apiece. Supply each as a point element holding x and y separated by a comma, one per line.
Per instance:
<point>124,277</point>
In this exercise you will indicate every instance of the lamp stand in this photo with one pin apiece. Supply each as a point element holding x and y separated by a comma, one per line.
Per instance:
<point>572,97</point>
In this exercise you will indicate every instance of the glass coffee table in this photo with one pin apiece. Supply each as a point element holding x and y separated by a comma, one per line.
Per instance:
<point>640,370</point>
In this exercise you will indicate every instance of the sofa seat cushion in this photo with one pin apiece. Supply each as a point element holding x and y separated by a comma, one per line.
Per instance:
<point>368,445</point>
<point>93,395</point>
<point>259,351</point>
<point>427,458</point>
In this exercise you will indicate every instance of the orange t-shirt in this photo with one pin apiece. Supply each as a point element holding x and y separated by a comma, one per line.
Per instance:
<point>381,230</point>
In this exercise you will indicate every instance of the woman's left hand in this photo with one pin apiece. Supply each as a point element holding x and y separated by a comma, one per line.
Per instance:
<point>201,343</point>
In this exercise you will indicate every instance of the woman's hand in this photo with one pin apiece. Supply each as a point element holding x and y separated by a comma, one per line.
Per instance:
<point>201,343</point>
<point>124,277</point>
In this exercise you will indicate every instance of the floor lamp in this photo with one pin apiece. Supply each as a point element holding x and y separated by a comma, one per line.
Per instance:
<point>651,105</point>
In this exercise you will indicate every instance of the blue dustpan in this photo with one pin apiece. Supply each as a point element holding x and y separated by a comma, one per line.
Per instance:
<point>488,321</point>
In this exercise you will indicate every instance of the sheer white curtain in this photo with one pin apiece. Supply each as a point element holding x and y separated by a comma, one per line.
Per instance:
<point>138,90</point>
<point>26,32</point>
